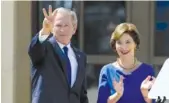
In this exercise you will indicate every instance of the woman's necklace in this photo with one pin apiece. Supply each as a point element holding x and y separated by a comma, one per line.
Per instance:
<point>128,69</point>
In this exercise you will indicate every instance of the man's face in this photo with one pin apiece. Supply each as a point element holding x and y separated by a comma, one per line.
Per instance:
<point>63,27</point>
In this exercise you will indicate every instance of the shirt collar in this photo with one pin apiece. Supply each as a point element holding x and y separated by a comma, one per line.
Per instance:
<point>62,45</point>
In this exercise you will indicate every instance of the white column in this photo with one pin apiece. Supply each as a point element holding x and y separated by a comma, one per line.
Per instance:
<point>140,16</point>
<point>16,35</point>
<point>7,48</point>
<point>21,40</point>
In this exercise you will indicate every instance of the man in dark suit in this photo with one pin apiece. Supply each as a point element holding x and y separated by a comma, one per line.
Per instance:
<point>58,68</point>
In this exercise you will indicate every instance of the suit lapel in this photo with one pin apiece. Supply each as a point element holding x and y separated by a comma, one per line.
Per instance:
<point>61,56</point>
<point>78,58</point>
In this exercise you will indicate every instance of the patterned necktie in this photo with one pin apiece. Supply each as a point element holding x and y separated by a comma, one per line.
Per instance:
<point>68,65</point>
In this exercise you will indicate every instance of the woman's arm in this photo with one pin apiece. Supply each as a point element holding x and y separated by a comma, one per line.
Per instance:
<point>103,88</point>
<point>147,84</point>
<point>104,95</point>
<point>114,98</point>
<point>119,88</point>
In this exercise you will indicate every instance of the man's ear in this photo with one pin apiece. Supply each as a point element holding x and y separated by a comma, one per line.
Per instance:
<point>74,28</point>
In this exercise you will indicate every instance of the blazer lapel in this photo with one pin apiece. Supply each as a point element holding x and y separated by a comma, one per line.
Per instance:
<point>78,62</point>
<point>61,56</point>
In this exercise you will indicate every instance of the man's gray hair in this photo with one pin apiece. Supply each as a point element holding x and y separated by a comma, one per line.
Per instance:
<point>69,12</point>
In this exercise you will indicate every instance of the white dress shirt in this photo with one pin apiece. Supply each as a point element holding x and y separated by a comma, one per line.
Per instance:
<point>71,55</point>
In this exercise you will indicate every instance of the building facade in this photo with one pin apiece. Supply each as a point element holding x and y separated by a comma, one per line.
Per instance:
<point>96,21</point>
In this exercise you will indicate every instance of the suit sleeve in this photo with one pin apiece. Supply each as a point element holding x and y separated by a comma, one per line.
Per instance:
<point>36,50</point>
<point>83,94</point>
<point>103,89</point>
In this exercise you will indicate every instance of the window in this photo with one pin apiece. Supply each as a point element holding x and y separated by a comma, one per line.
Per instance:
<point>161,35</point>
<point>100,19</point>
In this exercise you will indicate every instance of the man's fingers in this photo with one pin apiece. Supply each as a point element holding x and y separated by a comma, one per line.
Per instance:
<point>45,13</point>
<point>50,10</point>
<point>54,13</point>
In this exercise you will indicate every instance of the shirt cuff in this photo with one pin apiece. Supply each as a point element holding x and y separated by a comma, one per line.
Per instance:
<point>41,37</point>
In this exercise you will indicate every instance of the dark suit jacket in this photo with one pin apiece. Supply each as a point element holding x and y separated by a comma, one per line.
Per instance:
<point>49,79</point>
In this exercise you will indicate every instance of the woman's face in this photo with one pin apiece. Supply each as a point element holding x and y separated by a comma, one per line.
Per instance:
<point>125,46</point>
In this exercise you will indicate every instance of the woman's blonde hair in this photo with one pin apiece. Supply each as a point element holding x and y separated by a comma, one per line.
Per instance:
<point>125,28</point>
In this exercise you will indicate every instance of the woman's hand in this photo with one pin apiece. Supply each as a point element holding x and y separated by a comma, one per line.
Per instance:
<point>146,86</point>
<point>118,86</point>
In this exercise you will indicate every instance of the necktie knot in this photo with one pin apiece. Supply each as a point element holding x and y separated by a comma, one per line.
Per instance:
<point>65,50</point>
